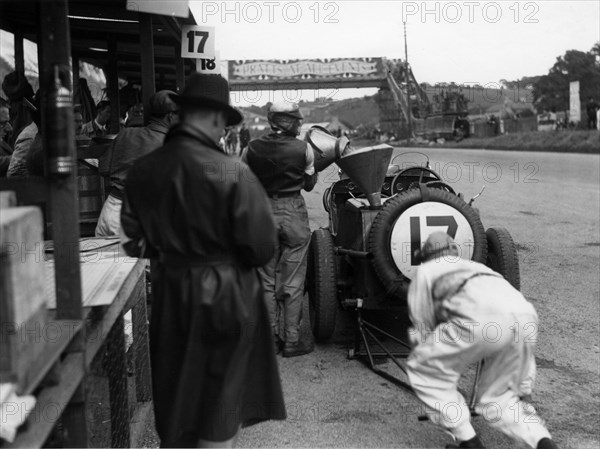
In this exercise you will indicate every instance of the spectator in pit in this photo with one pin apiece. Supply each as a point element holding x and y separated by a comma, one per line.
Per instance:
<point>206,222</point>
<point>450,301</point>
<point>5,131</point>
<point>20,96</point>
<point>130,144</point>
<point>99,126</point>
<point>284,165</point>
<point>134,116</point>
<point>19,166</point>
<point>244,137</point>
<point>78,121</point>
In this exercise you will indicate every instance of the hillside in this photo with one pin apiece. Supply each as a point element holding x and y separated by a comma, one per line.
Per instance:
<point>365,110</point>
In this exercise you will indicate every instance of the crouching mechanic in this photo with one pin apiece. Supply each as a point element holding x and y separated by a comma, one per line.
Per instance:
<point>284,165</point>
<point>464,312</point>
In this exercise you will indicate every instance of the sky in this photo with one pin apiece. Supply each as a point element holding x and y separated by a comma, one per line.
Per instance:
<point>462,41</point>
<point>465,42</point>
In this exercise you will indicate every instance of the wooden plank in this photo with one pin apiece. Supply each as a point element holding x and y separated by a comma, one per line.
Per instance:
<point>142,416</point>
<point>50,404</point>
<point>132,288</point>
<point>59,334</point>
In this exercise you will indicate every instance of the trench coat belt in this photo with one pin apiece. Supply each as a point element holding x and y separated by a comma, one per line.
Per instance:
<point>195,260</point>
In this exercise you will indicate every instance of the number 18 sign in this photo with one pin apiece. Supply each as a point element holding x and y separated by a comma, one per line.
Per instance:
<point>197,42</point>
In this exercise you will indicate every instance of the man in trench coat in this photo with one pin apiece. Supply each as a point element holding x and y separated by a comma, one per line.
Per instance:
<point>206,222</point>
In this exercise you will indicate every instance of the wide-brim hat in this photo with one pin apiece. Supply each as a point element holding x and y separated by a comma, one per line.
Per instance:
<point>208,91</point>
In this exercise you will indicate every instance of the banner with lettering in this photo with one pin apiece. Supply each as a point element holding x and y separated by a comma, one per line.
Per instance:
<point>306,69</point>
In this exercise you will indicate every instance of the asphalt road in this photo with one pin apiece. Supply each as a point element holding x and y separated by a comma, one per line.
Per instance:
<point>550,203</point>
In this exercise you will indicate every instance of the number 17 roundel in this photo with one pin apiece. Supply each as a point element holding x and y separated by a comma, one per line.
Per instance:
<point>406,221</point>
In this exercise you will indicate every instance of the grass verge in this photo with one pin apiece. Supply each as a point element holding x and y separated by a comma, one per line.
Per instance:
<point>580,141</point>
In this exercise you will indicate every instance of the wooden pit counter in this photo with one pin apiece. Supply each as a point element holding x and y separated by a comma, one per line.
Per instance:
<point>112,285</point>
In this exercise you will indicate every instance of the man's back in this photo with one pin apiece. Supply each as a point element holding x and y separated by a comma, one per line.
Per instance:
<point>131,144</point>
<point>200,201</point>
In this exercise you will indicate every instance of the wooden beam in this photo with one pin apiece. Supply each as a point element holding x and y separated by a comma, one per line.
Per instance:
<point>147,53</point>
<point>113,85</point>
<point>294,84</point>
<point>19,53</point>
<point>59,142</point>
<point>179,68</point>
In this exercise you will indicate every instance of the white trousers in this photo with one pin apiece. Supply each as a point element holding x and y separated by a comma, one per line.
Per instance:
<point>506,345</point>
<point>109,222</point>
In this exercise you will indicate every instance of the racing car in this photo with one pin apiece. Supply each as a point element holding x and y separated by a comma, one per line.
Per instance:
<point>380,213</point>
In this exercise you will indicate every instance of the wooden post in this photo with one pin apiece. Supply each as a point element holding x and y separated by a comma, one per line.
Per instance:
<point>117,385</point>
<point>141,346</point>
<point>19,53</point>
<point>179,69</point>
<point>113,85</point>
<point>59,142</point>
<point>75,64</point>
<point>147,59</point>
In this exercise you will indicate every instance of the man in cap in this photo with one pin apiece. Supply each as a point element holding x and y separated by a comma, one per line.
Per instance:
<point>205,221</point>
<point>99,125</point>
<point>130,144</point>
<point>464,312</point>
<point>285,165</point>
<point>5,131</point>
<point>20,96</point>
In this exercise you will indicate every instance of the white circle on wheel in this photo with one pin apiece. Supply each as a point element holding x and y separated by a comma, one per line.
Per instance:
<point>417,223</point>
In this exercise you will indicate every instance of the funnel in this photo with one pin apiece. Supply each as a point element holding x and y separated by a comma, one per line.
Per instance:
<point>367,168</point>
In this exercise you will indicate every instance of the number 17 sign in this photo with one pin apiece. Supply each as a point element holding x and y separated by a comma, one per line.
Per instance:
<point>197,42</point>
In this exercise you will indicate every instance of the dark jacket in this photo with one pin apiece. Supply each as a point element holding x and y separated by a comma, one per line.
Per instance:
<point>129,145</point>
<point>279,161</point>
<point>205,219</point>
<point>5,155</point>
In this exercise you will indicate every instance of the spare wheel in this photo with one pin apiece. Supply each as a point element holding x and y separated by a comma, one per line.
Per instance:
<point>406,221</point>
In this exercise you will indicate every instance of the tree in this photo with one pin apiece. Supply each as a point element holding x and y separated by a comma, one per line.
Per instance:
<point>552,91</point>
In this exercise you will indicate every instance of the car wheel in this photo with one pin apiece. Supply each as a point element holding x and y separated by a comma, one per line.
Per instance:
<point>321,285</point>
<point>502,255</point>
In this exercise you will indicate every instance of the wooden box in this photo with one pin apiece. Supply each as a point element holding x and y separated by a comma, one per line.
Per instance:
<point>23,315</point>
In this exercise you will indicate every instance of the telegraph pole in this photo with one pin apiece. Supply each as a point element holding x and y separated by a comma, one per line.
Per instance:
<point>409,107</point>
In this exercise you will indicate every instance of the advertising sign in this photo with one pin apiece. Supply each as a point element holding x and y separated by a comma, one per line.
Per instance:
<point>306,69</point>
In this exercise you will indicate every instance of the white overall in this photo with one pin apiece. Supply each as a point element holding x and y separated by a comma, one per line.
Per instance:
<point>464,312</point>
